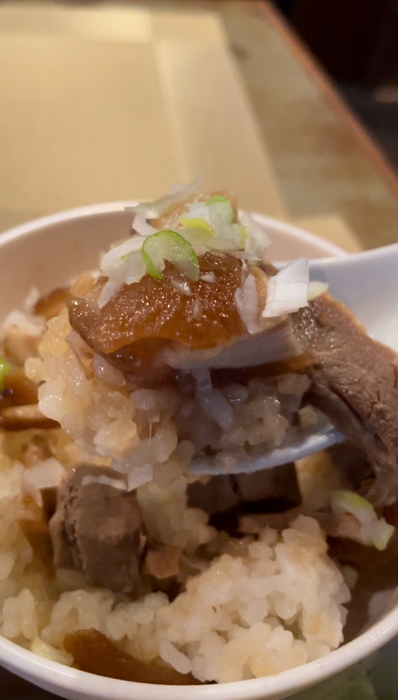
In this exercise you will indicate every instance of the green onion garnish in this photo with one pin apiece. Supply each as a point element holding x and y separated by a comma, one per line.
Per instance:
<point>169,245</point>
<point>5,368</point>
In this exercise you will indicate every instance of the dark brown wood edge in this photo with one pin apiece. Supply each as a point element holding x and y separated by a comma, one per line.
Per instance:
<point>330,94</point>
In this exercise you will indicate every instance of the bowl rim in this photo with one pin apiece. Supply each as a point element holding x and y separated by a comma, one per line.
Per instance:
<point>53,675</point>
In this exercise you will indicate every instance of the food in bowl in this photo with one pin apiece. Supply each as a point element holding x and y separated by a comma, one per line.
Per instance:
<point>187,349</point>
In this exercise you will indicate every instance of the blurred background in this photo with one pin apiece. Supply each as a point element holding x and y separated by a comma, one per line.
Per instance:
<point>292,104</point>
<point>356,41</point>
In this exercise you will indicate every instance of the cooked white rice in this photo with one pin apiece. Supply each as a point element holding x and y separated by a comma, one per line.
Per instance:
<point>249,608</point>
<point>90,400</point>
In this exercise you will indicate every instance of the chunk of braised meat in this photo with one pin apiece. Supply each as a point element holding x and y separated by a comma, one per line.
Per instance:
<point>33,522</point>
<point>95,653</point>
<point>226,498</point>
<point>17,390</point>
<point>18,404</point>
<point>148,315</point>
<point>377,571</point>
<point>162,561</point>
<point>97,529</point>
<point>355,383</point>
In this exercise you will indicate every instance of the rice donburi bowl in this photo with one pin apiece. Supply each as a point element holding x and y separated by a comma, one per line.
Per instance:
<point>211,579</point>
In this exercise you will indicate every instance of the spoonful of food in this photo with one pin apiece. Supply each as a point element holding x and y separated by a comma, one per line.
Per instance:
<point>351,331</point>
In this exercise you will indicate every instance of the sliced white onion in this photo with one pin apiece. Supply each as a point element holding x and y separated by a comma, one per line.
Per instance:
<point>208,277</point>
<point>152,210</point>
<point>135,267</point>
<point>198,210</point>
<point>287,291</point>
<point>116,257</point>
<point>217,218</point>
<point>257,241</point>
<point>315,289</point>
<point>182,287</point>
<point>112,287</point>
<point>122,265</point>
<point>197,311</point>
<point>141,226</point>
<point>247,303</point>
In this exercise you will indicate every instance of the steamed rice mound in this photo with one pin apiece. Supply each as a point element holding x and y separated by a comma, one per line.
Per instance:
<point>261,607</point>
<point>248,608</point>
<point>241,608</point>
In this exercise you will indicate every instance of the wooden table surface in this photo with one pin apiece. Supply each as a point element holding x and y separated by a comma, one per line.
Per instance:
<point>111,102</point>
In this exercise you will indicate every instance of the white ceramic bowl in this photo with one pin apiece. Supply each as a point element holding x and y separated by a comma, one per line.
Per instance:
<point>46,253</point>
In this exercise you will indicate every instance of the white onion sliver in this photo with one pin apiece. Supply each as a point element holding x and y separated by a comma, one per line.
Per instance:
<point>182,287</point>
<point>315,289</point>
<point>257,241</point>
<point>247,303</point>
<point>208,277</point>
<point>197,311</point>
<point>141,226</point>
<point>287,291</point>
<point>115,257</point>
<point>111,288</point>
<point>135,267</point>
<point>151,210</point>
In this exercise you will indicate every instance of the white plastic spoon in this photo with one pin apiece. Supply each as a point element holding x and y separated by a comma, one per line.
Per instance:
<point>368,284</point>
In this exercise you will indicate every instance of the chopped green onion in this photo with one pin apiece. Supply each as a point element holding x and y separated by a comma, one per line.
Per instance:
<point>374,531</point>
<point>196,223</point>
<point>216,198</point>
<point>201,240</point>
<point>169,245</point>
<point>5,368</point>
<point>350,502</point>
<point>222,211</point>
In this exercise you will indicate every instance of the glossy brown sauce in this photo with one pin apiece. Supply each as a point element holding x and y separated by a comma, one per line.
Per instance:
<point>95,653</point>
<point>203,316</point>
